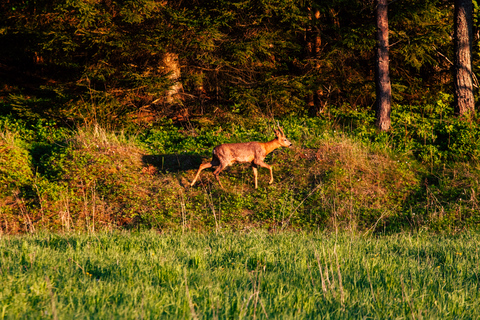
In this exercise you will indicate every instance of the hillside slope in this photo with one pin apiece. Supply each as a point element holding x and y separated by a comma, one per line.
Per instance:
<point>91,179</point>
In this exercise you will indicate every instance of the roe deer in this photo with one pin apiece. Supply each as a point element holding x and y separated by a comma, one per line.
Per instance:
<point>254,152</point>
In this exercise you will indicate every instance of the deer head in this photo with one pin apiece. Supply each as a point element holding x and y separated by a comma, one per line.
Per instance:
<point>282,139</point>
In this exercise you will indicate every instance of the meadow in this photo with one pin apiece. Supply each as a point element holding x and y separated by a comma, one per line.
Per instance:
<point>237,275</point>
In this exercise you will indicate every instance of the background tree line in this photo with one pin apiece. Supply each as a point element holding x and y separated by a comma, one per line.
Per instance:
<point>115,61</point>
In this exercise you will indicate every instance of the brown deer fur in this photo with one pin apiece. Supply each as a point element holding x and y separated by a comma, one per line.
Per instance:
<point>254,152</point>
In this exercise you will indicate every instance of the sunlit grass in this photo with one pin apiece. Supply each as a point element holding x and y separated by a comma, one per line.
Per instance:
<point>237,275</point>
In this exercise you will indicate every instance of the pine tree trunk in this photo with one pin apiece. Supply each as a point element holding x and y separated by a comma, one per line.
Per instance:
<point>313,46</point>
<point>464,100</point>
<point>172,67</point>
<point>382,76</point>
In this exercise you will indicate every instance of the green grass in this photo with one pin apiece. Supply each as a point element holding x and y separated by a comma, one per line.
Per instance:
<point>148,275</point>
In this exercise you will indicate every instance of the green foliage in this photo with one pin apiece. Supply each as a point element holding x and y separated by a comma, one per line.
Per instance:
<point>433,135</point>
<point>239,275</point>
<point>99,174</point>
<point>19,144</point>
<point>91,179</point>
<point>15,165</point>
<point>103,62</point>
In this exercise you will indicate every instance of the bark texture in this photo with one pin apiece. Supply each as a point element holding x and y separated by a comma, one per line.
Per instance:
<point>172,67</point>
<point>313,46</point>
<point>382,76</point>
<point>464,100</point>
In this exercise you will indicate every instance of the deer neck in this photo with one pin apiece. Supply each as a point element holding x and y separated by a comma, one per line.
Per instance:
<point>270,146</point>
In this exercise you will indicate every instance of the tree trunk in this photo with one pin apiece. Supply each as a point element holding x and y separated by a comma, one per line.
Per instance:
<point>172,67</point>
<point>382,77</point>
<point>464,101</point>
<point>314,43</point>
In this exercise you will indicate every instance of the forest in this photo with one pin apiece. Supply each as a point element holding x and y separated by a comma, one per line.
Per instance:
<point>108,107</point>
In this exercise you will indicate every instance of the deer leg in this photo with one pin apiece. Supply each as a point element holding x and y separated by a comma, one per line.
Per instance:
<point>202,166</point>
<point>255,175</point>
<point>271,174</point>
<point>217,172</point>
<point>264,165</point>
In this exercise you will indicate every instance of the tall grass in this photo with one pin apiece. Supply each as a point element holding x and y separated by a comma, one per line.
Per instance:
<point>233,275</point>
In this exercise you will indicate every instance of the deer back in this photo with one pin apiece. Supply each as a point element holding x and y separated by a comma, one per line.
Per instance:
<point>229,153</point>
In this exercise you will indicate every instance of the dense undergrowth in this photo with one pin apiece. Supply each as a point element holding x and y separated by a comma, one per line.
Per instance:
<point>340,174</point>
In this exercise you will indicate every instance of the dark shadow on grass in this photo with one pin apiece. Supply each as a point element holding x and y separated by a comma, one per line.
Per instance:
<point>173,162</point>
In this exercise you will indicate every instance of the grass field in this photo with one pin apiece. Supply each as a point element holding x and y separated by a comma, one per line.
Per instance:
<point>252,275</point>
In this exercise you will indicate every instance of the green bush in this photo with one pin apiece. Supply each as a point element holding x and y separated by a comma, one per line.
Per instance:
<point>433,134</point>
<point>15,165</point>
